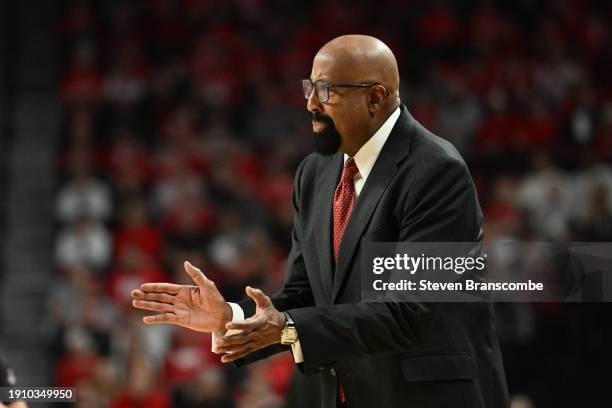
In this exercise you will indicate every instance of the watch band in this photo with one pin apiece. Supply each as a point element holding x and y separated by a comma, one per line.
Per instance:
<point>288,320</point>
<point>289,333</point>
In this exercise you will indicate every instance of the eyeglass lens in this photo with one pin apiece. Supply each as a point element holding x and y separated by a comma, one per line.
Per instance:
<point>320,90</point>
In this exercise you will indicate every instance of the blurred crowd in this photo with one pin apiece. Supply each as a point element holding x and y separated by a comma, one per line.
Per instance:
<point>184,122</point>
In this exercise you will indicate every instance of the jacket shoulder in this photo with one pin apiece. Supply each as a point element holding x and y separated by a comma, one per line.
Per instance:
<point>306,174</point>
<point>431,151</point>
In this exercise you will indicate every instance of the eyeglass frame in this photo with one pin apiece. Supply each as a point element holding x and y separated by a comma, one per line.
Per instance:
<point>340,85</point>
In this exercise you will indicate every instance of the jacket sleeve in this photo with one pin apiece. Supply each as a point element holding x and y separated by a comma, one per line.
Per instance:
<point>441,206</point>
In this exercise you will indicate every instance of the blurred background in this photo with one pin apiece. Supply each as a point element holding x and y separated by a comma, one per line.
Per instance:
<point>137,134</point>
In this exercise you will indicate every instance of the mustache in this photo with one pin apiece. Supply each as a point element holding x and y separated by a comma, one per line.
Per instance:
<point>319,117</point>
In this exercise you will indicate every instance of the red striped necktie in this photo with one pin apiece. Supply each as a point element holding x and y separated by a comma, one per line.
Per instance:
<point>344,200</point>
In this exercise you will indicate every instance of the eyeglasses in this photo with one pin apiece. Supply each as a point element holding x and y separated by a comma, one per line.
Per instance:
<point>321,88</point>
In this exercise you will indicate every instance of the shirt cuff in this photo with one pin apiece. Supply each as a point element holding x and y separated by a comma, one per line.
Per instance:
<point>237,316</point>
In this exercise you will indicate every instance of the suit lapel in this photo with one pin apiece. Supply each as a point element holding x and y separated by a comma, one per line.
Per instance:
<point>329,173</point>
<point>395,149</point>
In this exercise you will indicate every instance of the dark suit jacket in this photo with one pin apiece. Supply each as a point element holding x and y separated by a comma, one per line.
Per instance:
<point>388,354</point>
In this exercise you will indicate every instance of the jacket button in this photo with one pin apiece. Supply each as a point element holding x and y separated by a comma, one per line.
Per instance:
<point>332,372</point>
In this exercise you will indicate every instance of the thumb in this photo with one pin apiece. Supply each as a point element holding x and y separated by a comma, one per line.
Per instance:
<point>196,274</point>
<point>261,300</point>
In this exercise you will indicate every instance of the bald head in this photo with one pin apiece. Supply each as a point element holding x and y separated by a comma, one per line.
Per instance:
<point>362,58</point>
<point>362,90</point>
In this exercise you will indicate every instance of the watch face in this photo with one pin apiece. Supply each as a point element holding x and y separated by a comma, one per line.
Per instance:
<point>289,335</point>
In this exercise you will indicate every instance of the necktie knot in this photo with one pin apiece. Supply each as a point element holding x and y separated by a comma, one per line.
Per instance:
<point>350,170</point>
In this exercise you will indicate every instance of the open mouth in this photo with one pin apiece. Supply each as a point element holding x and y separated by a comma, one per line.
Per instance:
<point>318,126</point>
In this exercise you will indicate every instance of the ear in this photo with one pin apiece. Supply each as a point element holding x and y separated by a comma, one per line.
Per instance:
<point>377,98</point>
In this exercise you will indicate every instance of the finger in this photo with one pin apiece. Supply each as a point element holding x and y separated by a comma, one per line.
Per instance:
<point>233,340</point>
<point>249,324</point>
<point>137,294</point>
<point>159,287</point>
<point>196,274</point>
<point>154,306</point>
<point>157,297</point>
<point>160,318</point>
<point>261,300</point>
<point>239,350</point>
<point>228,358</point>
<point>236,346</point>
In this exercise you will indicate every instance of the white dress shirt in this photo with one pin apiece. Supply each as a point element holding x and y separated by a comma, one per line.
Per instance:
<point>364,159</point>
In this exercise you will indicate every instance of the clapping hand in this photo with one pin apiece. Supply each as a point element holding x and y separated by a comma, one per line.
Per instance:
<point>198,307</point>
<point>258,331</point>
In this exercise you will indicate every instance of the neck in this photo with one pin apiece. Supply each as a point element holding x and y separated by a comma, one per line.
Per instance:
<point>354,147</point>
<point>376,123</point>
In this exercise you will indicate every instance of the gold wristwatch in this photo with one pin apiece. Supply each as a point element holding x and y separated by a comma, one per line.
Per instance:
<point>289,334</point>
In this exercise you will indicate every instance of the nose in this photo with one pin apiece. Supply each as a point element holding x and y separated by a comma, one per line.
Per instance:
<point>313,104</point>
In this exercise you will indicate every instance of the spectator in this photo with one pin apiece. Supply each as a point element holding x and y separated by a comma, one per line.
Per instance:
<point>545,194</point>
<point>84,197</point>
<point>80,361</point>
<point>140,390</point>
<point>133,268</point>
<point>77,300</point>
<point>597,223</point>
<point>207,390</point>
<point>135,230</point>
<point>86,242</point>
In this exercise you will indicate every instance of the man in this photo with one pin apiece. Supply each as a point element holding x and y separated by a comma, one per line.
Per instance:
<point>391,180</point>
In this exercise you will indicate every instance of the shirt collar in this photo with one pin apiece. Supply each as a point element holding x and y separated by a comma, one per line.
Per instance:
<point>368,153</point>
